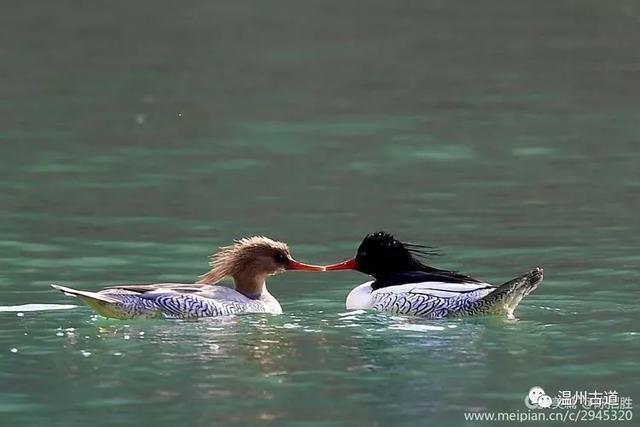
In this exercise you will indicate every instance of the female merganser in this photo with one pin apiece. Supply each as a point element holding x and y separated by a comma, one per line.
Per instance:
<point>404,285</point>
<point>249,261</point>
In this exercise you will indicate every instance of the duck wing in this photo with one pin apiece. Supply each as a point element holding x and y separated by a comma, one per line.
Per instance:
<point>426,295</point>
<point>187,301</point>
<point>176,287</point>
<point>216,293</point>
<point>173,300</point>
<point>423,281</point>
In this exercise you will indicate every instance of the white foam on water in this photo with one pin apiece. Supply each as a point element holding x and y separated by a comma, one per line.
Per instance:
<point>35,307</point>
<point>351,313</point>
<point>419,328</point>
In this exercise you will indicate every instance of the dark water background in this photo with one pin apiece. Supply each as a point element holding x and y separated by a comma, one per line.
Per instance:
<point>137,136</point>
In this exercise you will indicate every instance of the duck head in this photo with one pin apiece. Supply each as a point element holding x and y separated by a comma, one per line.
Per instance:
<point>250,261</point>
<point>381,254</point>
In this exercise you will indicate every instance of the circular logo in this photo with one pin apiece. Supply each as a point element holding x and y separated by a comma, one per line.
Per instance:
<point>536,399</point>
<point>545,401</point>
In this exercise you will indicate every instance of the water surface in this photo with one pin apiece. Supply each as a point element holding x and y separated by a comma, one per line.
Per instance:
<point>135,138</point>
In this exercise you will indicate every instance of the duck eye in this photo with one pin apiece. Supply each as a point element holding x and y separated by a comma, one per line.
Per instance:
<point>280,257</point>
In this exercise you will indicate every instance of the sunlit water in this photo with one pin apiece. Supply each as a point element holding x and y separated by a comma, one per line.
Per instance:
<point>136,139</point>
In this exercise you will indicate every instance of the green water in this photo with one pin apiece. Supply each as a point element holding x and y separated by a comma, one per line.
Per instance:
<point>136,137</point>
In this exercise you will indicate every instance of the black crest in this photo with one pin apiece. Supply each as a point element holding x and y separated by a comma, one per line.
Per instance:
<point>381,255</point>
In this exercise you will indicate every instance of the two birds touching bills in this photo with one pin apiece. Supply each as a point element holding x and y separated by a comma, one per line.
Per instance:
<point>402,284</point>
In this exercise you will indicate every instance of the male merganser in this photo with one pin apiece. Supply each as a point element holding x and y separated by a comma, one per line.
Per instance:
<point>404,285</point>
<point>249,261</point>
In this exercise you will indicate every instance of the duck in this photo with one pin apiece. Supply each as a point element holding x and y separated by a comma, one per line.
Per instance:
<point>404,284</point>
<point>249,261</point>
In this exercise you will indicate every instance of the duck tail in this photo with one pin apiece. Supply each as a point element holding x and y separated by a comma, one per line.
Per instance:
<point>102,304</point>
<point>506,297</point>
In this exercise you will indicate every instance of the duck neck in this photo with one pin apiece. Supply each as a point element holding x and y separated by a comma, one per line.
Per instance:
<point>250,285</point>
